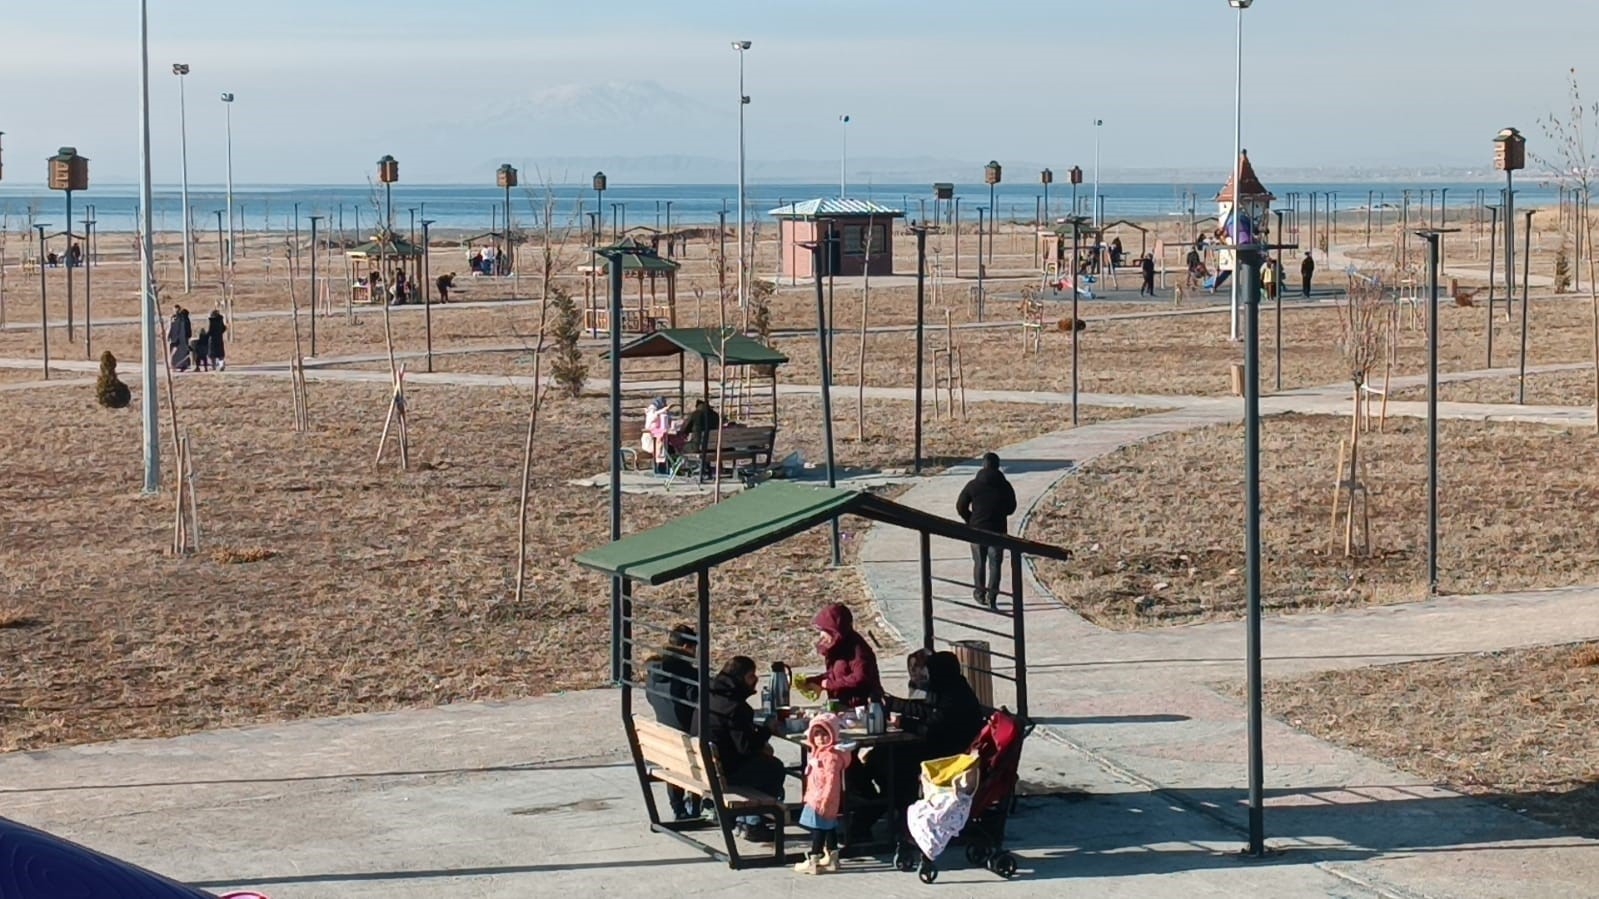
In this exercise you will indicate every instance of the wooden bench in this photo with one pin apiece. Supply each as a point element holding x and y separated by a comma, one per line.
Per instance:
<point>670,756</point>
<point>632,448</point>
<point>738,445</point>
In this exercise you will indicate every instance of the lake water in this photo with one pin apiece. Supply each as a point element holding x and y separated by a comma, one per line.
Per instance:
<point>460,207</point>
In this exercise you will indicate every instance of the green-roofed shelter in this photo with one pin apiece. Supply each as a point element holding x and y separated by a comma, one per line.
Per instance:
<point>385,253</point>
<point>746,395</point>
<point>692,545</point>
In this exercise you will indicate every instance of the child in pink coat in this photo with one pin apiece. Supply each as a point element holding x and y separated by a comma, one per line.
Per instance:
<point>824,793</point>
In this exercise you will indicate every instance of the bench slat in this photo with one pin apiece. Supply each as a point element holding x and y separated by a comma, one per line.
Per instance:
<point>674,757</point>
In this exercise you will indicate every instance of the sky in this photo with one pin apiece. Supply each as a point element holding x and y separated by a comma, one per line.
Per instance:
<point>325,87</point>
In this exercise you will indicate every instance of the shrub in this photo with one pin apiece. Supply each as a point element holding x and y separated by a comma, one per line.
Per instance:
<point>108,388</point>
<point>568,368</point>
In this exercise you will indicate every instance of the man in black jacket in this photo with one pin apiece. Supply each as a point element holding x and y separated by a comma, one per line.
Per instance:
<point>1307,270</point>
<point>742,748</point>
<point>985,503</point>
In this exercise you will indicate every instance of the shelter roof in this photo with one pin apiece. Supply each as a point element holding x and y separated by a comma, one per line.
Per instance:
<point>711,344</point>
<point>765,515</point>
<point>636,257</point>
<point>1253,189</point>
<point>386,246</point>
<point>831,207</point>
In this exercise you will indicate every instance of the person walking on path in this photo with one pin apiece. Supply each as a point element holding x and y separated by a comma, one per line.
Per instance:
<point>215,328</point>
<point>1147,266</point>
<point>985,503</point>
<point>179,331</point>
<point>1307,271</point>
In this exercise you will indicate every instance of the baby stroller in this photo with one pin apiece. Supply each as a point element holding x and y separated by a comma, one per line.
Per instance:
<point>973,802</point>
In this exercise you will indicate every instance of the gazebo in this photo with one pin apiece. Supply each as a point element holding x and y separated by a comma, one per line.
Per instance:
<point>643,263</point>
<point>750,395</point>
<point>391,252</point>
<point>1254,201</point>
<point>695,544</point>
<point>858,235</point>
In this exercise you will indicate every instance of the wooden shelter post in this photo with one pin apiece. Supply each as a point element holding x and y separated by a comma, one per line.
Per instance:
<point>927,589</point>
<point>1020,619</point>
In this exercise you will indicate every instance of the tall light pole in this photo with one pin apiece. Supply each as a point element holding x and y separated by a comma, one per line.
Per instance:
<point>1098,123</point>
<point>314,220</point>
<point>743,101</point>
<point>843,155</point>
<point>44,299</point>
<point>227,106</point>
<point>181,69</point>
<point>1238,154</point>
<point>148,404</point>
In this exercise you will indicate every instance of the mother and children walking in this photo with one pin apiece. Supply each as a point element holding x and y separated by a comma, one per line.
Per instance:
<point>202,351</point>
<point>940,709</point>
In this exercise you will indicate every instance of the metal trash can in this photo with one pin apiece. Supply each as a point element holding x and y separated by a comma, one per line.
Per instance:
<point>977,665</point>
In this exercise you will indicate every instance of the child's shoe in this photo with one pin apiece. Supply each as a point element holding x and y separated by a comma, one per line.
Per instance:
<point>829,860</point>
<point>811,865</point>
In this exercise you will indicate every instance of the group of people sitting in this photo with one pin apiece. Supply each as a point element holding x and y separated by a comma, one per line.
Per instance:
<point>939,707</point>
<point>73,257</point>
<point>489,261</point>
<point>201,351</point>
<point>667,434</point>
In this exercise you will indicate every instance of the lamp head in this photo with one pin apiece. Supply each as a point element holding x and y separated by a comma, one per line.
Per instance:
<point>741,45</point>
<point>180,68</point>
<point>227,98</point>
<point>1240,4</point>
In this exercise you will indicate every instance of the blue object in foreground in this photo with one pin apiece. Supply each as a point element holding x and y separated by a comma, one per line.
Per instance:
<point>37,865</point>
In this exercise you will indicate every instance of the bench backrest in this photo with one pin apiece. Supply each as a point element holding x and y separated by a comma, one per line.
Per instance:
<point>632,430</point>
<point>667,747</point>
<point>743,438</point>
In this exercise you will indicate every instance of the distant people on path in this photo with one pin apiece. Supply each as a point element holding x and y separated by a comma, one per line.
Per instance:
<point>1116,252</point>
<point>475,261</point>
<point>490,255</point>
<point>52,260</point>
<point>215,328</point>
<point>444,283</point>
<point>1147,267</point>
<point>985,503</point>
<point>1307,271</point>
<point>74,256</point>
<point>399,292</point>
<point>200,349</point>
<point>1268,278</point>
<point>1196,270</point>
<point>179,331</point>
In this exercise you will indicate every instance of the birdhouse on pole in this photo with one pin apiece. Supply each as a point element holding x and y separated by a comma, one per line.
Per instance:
<point>1510,151</point>
<point>69,171</point>
<point>388,170</point>
<point>1251,202</point>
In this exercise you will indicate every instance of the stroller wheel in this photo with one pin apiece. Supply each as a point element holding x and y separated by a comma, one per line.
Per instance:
<point>904,858</point>
<point>1003,864</point>
<point>977,852</point>
<point>928,872</point>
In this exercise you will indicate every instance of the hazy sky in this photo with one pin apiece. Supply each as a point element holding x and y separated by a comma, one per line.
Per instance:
<point>325,87</point>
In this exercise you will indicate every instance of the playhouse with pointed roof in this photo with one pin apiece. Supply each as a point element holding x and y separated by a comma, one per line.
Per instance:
<point>856,237</point>
<point>1252,201</point>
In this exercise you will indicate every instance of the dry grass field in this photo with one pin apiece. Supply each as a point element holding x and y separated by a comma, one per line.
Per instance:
<point>1156,526</point>
<point>328,585</point>
<point>1514,727</point>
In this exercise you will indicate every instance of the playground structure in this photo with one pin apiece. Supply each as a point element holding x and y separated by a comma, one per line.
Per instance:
<point>643,264</point>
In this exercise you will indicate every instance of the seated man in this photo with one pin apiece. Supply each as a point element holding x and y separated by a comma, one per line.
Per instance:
<point>701,427</point>
<point>744,749</point>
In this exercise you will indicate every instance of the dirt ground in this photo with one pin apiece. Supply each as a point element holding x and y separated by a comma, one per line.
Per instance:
<point>375,588</point>
<point>1565,388</point>
<point>1514,727</point>
<point>1155,526</point>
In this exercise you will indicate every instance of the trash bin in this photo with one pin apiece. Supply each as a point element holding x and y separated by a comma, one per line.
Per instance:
<point>977,666</point>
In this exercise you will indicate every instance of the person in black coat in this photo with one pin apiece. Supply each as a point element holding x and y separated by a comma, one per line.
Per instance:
<point>1307,271</point>
<point>985,503</point>
<point>703,422</point>
<point>1147,267</point>
<point>671,682</point>
<point>743,749</point>
<point>179,332</point>
<point>215,328</point>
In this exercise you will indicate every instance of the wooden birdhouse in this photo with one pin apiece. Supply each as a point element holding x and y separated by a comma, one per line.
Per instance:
<point>388,170</point>
<point>68,170</point>
<point>1510,151</point>
<point>505,176</point>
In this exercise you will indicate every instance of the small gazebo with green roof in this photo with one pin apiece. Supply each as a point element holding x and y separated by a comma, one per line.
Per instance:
<point>643,262</point>
<point>391,252</point>
<point>750,396</point>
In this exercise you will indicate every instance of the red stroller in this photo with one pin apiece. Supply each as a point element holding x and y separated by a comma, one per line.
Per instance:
<point>999,751</point>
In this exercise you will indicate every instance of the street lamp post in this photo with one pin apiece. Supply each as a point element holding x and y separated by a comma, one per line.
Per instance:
<point>69,172</point>
<point>148,401</point>
<point>1098,123</point>
<point>427,293</point>
<point>981,265</point>
<point>825,359</point>
<point>44,303</point>
<point>181,69</point>
<point>1238,150</point>
<point>88,285</point>
<point>1077,223</point>
<point>227,106</point>
<point>1076,178</point>
<point>1247,260</point>
<point>921,321</point>
<point>843,156</point>
<point>991,176</point>
<point>505,176</point>
<point>314,220</point>
<point>743,101</point>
